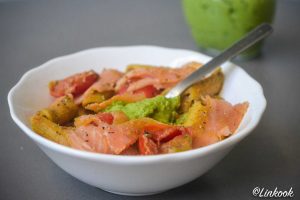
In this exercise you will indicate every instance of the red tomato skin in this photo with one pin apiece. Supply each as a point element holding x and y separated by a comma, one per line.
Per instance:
<point>75,84</point>
<point>149,91</point>
<point>167,134</point>
<point>106,117</point>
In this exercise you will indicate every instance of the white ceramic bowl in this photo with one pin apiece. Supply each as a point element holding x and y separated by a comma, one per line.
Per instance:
<point>131,175</point>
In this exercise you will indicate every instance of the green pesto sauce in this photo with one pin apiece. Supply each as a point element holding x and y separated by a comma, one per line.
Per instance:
<point>159,108</point>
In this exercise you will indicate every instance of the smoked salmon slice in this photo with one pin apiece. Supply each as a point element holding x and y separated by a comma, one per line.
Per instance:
<point>222,121</point>
<point>105,138</point>
<point>107,81</point>
<point>159,77</point>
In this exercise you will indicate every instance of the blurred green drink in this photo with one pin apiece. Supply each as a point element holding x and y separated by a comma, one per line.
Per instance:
<point>217,24</point>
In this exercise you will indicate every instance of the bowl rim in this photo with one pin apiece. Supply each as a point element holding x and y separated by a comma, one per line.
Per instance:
<point>232,140</point>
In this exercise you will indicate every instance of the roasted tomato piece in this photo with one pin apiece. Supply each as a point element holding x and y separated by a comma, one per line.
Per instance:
<point>168,134</point>
<point>146,145</point>
<point>106,117</point>
<point>149,91</point>
<point>75,84</point>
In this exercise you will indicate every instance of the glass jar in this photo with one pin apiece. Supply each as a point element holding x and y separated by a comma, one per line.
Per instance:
<point>217,24</point>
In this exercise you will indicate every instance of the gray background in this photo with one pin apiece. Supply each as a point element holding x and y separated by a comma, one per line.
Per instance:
<point>32,33</point>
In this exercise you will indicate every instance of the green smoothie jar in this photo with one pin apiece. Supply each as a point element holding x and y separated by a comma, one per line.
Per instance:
<point>217,24</point>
